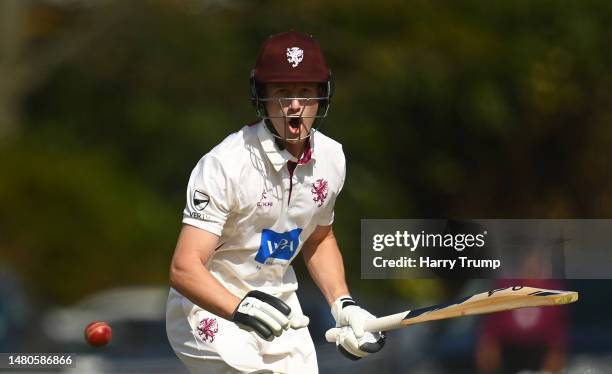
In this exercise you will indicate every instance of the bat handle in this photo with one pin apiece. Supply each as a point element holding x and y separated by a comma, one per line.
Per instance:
<point>332,334</point>
<point>387,323</point>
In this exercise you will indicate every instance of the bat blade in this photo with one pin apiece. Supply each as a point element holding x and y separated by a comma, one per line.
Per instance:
<point>496,300</point>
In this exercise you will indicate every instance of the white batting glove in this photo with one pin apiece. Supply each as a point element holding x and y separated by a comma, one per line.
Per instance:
<point>298,320</point>
<point>353,341</point>
<point>267,315</point>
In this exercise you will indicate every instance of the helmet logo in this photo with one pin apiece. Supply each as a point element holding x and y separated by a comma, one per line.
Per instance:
<point>295,55</point>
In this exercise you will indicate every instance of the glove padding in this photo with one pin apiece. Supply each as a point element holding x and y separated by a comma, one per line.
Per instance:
<point>353,341</point>
<point>267,315</point>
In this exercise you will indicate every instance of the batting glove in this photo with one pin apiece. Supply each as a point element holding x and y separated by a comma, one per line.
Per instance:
<point>353,341</point>
<point>267,315</point>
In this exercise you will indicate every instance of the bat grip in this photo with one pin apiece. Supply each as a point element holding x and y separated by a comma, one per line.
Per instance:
<point>387,323</point>
<point>332,334</point>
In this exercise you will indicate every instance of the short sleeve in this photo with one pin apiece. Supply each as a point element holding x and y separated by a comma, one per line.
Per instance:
<point>208,196</point>
<point>326,217</point>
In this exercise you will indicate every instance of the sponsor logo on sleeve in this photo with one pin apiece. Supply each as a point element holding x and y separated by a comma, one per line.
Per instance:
<point>202,216</point>
<point>279,246</point>
<point>200,200</point>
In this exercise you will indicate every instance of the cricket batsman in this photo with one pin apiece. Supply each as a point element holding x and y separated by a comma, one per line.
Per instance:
<point>264,194</point>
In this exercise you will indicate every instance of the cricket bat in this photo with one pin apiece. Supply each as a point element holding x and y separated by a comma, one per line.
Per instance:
<point>496,300</point>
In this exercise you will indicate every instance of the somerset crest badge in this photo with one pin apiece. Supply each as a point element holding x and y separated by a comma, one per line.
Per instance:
<point>319,191</point>
<point>295,55</point>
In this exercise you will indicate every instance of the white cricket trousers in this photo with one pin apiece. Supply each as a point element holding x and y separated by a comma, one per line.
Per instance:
<point>207,343</point>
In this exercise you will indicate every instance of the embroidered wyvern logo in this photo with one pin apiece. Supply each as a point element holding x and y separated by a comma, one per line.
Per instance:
<point>207,329</point>
<point>295,55</point>
<point>319,191</point>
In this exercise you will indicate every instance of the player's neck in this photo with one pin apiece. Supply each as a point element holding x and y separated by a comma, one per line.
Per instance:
<point>296,149</point>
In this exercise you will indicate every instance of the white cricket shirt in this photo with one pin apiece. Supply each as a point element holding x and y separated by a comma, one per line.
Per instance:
<point>245,191</point>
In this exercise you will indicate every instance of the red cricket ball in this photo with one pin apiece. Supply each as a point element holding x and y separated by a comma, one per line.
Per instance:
<point>98,333</point>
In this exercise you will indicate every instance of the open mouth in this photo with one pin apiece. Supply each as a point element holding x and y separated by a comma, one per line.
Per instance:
<point>294,123</point>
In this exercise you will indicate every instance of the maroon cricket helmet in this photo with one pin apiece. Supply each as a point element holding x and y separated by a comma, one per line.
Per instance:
<point>291,57</point>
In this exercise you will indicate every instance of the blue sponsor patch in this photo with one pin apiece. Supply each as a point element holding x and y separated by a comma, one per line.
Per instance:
<point>282,246</point>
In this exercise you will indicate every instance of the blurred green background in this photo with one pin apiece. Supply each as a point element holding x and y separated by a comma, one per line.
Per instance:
<point>468,109</point>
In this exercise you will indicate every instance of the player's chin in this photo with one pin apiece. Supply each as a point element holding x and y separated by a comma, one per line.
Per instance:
<point>296,140</point>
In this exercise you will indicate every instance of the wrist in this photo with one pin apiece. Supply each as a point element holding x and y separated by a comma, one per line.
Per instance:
<point>341,297</point>
<point>332,294</point>
<point>340,303</point>
<point>230,307</point>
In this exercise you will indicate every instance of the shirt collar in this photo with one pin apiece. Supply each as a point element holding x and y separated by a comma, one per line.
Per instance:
<point>278,157</point>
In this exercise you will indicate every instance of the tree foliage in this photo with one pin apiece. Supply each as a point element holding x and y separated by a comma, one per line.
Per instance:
<point>460,109</point>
